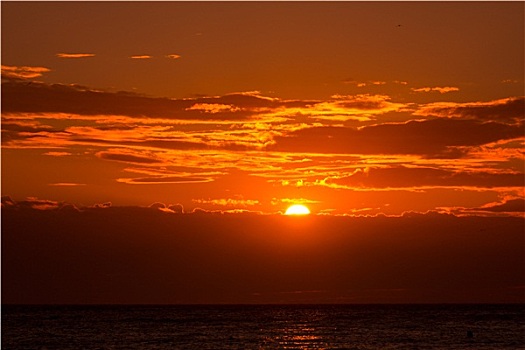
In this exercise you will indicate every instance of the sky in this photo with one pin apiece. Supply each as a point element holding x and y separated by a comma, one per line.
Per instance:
<point>371,114</point>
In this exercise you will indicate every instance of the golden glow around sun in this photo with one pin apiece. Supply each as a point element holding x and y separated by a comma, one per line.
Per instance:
<point>297,209</point>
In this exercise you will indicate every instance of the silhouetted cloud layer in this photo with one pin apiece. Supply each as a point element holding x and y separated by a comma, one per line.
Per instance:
<point>151,255</point>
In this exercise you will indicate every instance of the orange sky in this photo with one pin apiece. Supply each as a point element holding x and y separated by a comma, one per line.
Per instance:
<point>250,105</point>
<point>351,108</point>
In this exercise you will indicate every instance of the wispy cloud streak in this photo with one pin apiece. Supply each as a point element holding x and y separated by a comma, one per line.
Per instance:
<point>75,55</point>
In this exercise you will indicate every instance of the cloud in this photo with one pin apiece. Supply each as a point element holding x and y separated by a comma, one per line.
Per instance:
<point>66,184</point>
<point>429,138</point>
<point>7,201</point>
<point>364,83</point>
<point>79,100</point>
<point>57,154</point>
<point>31,203</point>
<point>102,205</point>
<point>367,102</point>
<point>340,108</point>
<point>276,201</point>
<point>213,108</point>
<point>75,55</point>
<point>173,56</point>
<point>172,208</point>
<point>441,90</point>
<point>507,110</point>
<point>13,129</point>
<point>176,208</point>
<point>141,57</point>
<point>235,202</point>
<point>414,177</point>
<point>127,158</point>
<point>23,72</point>
<point>516,205</point>
<point>508,207</point>
<point>164,180</point>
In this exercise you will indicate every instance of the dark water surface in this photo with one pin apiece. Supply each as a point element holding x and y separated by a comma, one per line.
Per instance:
<point>264,327</point>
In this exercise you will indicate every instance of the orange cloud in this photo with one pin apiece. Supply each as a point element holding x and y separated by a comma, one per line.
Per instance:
<point>441,90</point>
<point>367,102</point>
<point>364,83</point>
<point>57,154</point>
<point>235,202</point>
<point>213,108</point>
<point>516,205</point>
<point>75,55</point>
<point>23,72</point>
<point>141,57</point>
<point>173,56</point>
<point>163,180</point>
<point>276,201</point>
<point>66,184</point>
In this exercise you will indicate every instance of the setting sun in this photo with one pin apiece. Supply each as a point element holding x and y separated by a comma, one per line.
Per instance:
<point>297,209</point>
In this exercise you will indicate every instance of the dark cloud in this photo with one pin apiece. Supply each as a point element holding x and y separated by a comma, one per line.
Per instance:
<point>510,206</point>
<point>17,130</point>
<point>509,110</point>
<point>128,158</point>
<point>102,205</point>
<point>7,201</point>
<point>37,204</point>
<point>400,176</point>
<point>133,255</point>
<point>433,138</point>
<point>172,208</point>
<point>57,98</point>
<point>158,205</point>
<point>176,208</point>
<point>166,144</point>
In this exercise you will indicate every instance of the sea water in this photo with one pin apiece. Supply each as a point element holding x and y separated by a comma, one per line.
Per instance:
<point>264,327</point>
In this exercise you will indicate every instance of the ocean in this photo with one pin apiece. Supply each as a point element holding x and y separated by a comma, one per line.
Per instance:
<point>264,327</point>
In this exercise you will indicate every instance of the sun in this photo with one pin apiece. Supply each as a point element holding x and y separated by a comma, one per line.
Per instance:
<point>297,209</point>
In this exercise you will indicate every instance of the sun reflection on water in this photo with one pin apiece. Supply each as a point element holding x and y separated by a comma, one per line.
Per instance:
<point>300,335</point>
